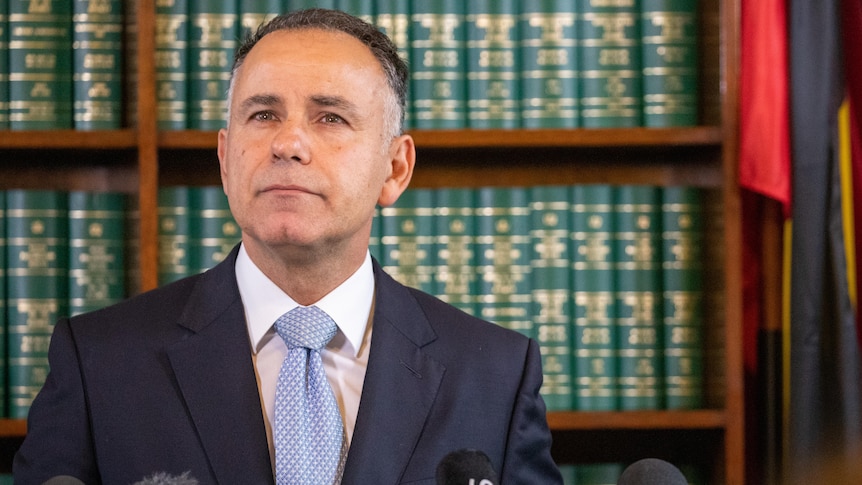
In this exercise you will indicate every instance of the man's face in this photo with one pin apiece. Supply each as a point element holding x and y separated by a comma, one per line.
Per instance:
<point>305,157</point>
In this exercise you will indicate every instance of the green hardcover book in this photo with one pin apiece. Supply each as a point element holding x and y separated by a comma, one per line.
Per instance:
<point>407,238</point>
<point>493,82</point>
<point>213,31</point>
<point>37,232</point>
<point>550,258</point>
<point>503,257</point>
<point>303,4</point>
<point>3,322</point>
<point>438,64</point>
<point>455,248</point>
<point>598,473</point>
<point>669,38</point>
<point>638,274</point>
<point>97,222</point>
<point>174,251</point>
<point>374,237</point>
<point>682,274</point>
<point>549,68</point>
<point>97,64</point>
<point>172,64</point>
<point>392,17</point>
<point>569,473</point>
<point>4,67</point>
<point>363,9</point>
<point>40,65</point>
<point>595,362</point>
<point>254,13</point>
<point>610,64</point>
<point>213,232</point>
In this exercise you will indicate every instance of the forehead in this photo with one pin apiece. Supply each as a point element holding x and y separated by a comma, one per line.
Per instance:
<point>315,55</point>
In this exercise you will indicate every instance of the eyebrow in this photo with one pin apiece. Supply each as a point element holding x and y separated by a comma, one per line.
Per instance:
<point>334,102</point>
<point>260,100</point>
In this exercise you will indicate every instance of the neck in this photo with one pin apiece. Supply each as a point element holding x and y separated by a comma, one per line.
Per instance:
<point>306,278</point>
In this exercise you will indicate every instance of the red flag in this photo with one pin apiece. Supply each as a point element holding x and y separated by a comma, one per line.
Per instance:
<point>764,131</point>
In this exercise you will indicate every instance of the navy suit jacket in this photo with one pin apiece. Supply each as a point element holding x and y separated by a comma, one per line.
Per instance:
<point>164,383</point>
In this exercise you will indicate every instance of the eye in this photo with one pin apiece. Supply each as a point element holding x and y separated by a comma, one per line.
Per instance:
<point>263,116</point>
<point>332,118</point>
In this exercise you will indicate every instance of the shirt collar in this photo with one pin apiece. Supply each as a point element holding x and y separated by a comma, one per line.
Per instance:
<point>349,304</point>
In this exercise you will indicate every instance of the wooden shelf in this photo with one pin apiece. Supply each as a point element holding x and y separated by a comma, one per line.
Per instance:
<point>69,139</point>
<point>630,420</point>
<point>13,428</point>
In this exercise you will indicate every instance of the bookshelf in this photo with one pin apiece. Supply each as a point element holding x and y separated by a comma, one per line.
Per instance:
<point>140,159</point>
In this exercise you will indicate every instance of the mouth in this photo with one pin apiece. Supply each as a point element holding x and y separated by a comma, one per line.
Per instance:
<point>287,189</point>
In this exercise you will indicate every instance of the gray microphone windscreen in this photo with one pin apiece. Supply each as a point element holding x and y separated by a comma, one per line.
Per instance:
<point>652,471</point>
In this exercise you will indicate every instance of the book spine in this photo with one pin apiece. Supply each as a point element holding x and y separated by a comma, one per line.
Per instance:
<point>610,70</point>
<point>97,222</point>
<point>303,4</point>
<point>254,13</point>
<point>455,247</point>
<point>374,238</point>
<point>40,65</point>
<point>638,289</point>
<point>594,340</point>
<point>174,251</point>
<point>493,90</point>
<point>407,240</point>
<point>437,53</point>
<point>503,257</point>
<point>363,9</point>
<point>3,319</point>
<point>598,473</point>
<point>212,229</point>
<point>213,27</point>
<point>550,240</point>
<point>670,80</point>
<point>97,64</point>
<point>549,69</point>
<point>172,63</point>
<point>4,65</point>
<point>37,262</point>
<point>393,18</point>
<point>682,273</point>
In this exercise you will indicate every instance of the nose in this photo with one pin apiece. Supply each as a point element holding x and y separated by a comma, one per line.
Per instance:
<point>290,142</point>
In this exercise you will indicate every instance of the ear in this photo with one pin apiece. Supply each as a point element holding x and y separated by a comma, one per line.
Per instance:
<point>402,155</point>
<point>222,151</point>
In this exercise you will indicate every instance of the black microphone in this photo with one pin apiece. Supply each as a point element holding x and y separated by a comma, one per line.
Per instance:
<point>652,471</point>
<point>63,480</point>
<point>466,467</point>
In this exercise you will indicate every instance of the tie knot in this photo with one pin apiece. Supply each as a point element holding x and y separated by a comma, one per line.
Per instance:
<point>308,327</point>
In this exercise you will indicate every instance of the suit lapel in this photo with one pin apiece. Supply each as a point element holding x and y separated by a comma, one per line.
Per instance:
<point>215,373</point>
<point>401,383</point>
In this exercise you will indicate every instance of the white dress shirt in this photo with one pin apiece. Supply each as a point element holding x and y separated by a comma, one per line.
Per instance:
<point>345,358</point>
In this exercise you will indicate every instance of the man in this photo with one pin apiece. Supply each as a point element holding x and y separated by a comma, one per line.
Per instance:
<point>183,379</point>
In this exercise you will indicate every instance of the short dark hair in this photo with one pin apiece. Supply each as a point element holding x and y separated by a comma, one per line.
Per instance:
<point>381,46</point>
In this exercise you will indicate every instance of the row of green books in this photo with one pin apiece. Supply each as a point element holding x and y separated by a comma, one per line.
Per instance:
<point>61,253</point>
<point>608,279</point>
<point>477,64</point>
<point>61,65</point>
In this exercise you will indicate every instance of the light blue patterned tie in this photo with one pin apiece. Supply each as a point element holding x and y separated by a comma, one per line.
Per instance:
<point>310,448</point>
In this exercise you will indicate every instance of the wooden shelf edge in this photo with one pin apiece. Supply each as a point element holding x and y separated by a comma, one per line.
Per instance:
<point>69,139</point>
<point>548,138</point>
<point>13,428</point>
<point>640,420</point>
